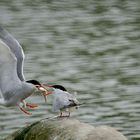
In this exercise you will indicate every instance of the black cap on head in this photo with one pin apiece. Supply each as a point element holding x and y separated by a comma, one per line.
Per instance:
<point>59,87</point>
<point>34,82</point>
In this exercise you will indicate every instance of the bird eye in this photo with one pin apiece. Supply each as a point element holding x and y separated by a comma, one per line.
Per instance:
<point>70,100</point>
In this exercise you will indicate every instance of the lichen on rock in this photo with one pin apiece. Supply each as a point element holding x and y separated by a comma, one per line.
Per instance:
<point>65,129</point>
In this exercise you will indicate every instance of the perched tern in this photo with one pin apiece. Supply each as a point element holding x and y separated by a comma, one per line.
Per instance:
<point>13,87</point>
<point>63,100</point>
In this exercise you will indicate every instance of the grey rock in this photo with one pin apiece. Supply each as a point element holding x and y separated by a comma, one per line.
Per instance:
<point>65,129</point>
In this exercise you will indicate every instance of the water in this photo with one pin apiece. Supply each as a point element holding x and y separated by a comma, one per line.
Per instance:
<point>91,47</point>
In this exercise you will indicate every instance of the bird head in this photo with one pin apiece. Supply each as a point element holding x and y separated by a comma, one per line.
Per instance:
<point>40,87</point>
<point>60,87</point>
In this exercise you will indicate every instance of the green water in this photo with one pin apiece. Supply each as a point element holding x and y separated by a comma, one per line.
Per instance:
<point>91,47</point>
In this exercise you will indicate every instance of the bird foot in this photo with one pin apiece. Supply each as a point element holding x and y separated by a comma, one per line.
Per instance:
<point>25,111</point>
<point>63,116</point>
<point>29,105</point>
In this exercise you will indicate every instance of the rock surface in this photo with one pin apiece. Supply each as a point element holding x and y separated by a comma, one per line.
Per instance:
<point>65,129</point>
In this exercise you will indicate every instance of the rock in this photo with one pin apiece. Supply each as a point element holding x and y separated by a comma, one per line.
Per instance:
<point>65,129</point>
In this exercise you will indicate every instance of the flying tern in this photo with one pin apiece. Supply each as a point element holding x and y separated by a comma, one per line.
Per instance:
<point>13,87</point>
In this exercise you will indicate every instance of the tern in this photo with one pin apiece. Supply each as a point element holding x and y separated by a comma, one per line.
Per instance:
<point>13,87</point>
<point>63,100</point>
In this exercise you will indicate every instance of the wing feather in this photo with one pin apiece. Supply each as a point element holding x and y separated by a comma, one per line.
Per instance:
<point>17,50</point>
<point>8,70</point>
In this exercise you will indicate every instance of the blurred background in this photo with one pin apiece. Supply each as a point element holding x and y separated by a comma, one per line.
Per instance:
<point>89,46</point>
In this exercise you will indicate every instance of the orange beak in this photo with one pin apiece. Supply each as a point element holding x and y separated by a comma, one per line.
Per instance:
<point>44,90</point>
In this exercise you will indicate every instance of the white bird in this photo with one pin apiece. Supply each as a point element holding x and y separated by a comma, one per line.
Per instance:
<point>13,87</point>
<point>63,100</point>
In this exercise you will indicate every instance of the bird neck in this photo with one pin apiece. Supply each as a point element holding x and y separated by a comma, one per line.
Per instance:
<point>57,91</point>
<point>27,90</point>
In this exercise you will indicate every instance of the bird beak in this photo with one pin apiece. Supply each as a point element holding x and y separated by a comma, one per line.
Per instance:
<point>44,90</point>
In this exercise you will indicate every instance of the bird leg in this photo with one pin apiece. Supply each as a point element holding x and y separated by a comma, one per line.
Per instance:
<point>24,103</point>
<point>61,114</point>
<point>24,111</point>
<point>68,114</point>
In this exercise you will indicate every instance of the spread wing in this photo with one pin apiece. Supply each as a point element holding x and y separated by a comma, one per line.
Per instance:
<point>16,49</point>
<point>8,70</point>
